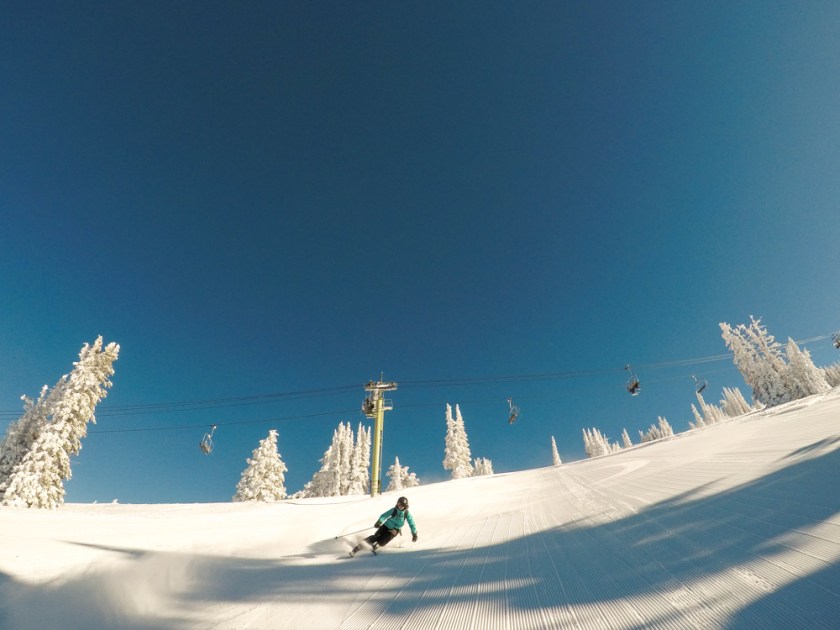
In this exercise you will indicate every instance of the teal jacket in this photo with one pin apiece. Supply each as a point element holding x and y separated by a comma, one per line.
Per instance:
<point>396,518</point>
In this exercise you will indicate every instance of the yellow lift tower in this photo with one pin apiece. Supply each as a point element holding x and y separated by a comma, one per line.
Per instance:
<point>375,406</point>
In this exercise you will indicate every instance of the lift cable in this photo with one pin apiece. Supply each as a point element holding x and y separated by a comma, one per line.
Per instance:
<point>235,401</point>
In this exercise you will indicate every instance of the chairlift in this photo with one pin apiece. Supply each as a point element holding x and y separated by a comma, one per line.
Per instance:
<point>206,443</point>
<point>699,384</point>
<point>514,412</point>
<point>835,339</point>
<point>633,385</point>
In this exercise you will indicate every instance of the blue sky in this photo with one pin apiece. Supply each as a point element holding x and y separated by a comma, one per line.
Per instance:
<point>268,198</point>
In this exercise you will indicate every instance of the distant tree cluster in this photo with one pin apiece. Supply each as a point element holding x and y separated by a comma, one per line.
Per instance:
<point>832,374</point>
<point>399,477</point>
<point>457,457</point>
<point>657,431</point>
<point>264,478</point>
<point>344,466</point>
<point>482,466</point>
<point>596,443</point>
<point>776,375</point>
<point>35,453</point>
<point>733,404</point>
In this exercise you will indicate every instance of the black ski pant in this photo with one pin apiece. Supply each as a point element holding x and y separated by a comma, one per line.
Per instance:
<point>382,536</point>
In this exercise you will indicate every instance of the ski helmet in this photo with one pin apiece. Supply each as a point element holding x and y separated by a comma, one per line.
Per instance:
<point>402,503</point>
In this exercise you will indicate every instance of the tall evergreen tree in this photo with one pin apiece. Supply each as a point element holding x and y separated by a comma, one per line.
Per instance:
<point>805,377</point>
<point>698,423</point>
<point>555,456</point>
<point>449,453</point>
<point>595,443</point>
<point>21,434</point>
<point>625,439</point>
<point>265,476</point>
<point>771,367</point>
<point>457,457</point>
<point>745,357</point>
<point>327,481</point>
<point>38,480</point>
<point>359,481</point>
<point>346,457</point>
<point>336,476</point>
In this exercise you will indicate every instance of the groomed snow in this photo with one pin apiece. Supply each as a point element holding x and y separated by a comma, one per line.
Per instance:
<point>734,526</point>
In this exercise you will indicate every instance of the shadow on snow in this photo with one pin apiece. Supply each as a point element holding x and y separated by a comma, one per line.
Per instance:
<point>658,554</point>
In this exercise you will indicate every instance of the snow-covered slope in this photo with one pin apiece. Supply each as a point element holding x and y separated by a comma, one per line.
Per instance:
<point>733,526</point>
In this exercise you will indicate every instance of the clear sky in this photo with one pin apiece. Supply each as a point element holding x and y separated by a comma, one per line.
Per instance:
<point>261,199</point>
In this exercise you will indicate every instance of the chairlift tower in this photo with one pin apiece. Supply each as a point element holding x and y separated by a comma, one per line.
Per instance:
<point>375,406</point>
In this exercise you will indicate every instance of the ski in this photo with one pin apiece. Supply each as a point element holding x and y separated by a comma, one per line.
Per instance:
<point>358,548</point>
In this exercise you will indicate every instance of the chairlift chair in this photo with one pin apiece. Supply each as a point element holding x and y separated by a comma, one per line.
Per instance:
<point>206,443</point>
<point>633,384</point>
<point>699,385</point>
<point>835,339</point>
<point>514,412</point>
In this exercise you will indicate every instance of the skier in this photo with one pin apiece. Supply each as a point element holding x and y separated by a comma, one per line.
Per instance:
<point>388,525</point>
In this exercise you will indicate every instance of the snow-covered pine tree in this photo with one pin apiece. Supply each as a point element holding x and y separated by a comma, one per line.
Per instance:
<point>449,440</point>
<point>744,356</point>
<point>395,476</point>
<point>400,478</point>
<point>590,446</point>
<point>734,404</point>
<point>555,455</point>
<point>805,378</point>
<point>664,428</point>
<point>595,443</point>
<point>762,363</point>
<point>346,457</point>
<point>265,476</point>
<point>698,423</point>
<point>457,457</point>
<point>410,479</point>
<point>625,439</point>
<point>832,374</point>
<point>711,413</point>
<point>360,463</point>
<point>652,434</point>
<point>587,442</point>
<point>482,466</point>
<point>326,482</point>
<point>21,434</point>
<point>464,440</point>
<point>336,476</point>
<point>771,369</point>
<point>38,480</point>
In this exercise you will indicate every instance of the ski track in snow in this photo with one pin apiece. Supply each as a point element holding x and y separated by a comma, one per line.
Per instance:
<point>736,525</point>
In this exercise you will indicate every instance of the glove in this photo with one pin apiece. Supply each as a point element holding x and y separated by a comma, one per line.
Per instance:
<point>378,523</point>
<point>414,538</point>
